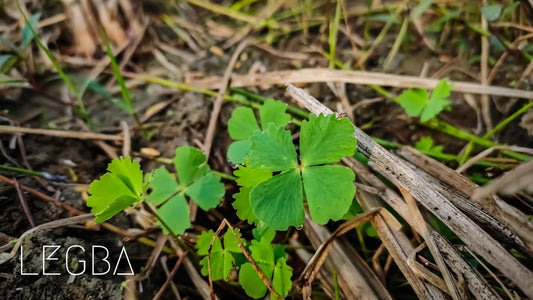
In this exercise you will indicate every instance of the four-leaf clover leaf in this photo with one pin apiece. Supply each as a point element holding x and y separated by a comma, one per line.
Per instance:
<point>278,200</point>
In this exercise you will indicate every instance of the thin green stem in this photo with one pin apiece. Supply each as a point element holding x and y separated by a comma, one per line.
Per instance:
<point>128,105</point>
<point>62,74</point>
<point>225,176</point>
<point>507,120</point>
<point>21,171</point>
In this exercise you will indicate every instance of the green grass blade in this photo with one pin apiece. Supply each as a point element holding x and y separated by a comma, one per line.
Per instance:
<point>118,75</point>
<point>62,74</point>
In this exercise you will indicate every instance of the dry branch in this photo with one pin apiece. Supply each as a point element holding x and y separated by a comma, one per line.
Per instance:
<point>397,171</point>
<point>61,133</point>
<point>356,281</point>
<point>356,77</point>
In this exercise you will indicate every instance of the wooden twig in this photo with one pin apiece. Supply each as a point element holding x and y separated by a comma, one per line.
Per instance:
<point>356,279</point>
<point>50,225</point>
<point>60,133</point>
<point>357,77</point>
<point>453,289</point>
<point>126,145</point>
<point>24,203</point>
<point>250,259</point>
<point>488,151</point>
<point>34,192</point>
<point>395,169</point>
<point>312,268</point>
<point>399,246</point>
<point>170,276</point>
<point>211,128</point>
<point>496,216</point>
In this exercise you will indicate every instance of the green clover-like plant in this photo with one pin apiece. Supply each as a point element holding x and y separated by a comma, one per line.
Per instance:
<point>195,180</point>
<point>426,144</point>
<point>243,124</point>
<point>417,103</point>
<point>272,259</point>
<point>277,200</point>
<point>221,258</point>
<point>123,186</point>
<point>116,190</point>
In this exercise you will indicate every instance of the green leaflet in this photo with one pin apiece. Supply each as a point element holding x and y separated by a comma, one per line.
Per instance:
<point>272,149</point>
<point>238,150</point>
<point>194,180</point>
<point>416,102</point>
<point>274,112</point>
<point>334,183</point>
<point>116,190</point>
<point>243,124</point>
<point>326,139</point>
<point>175,214</point>
<point>426,144</point>
<point>251,177</point>
<point>491,12</point>
<point>190,164</point>
<point>282,277</point>
<point>278,200</point>
<point>242,205</point>
<point>206,191</point>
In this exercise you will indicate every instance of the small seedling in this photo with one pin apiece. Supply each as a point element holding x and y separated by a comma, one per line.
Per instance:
<point>277,200</point>
<point>426,144</point>
<point>417,103</point>
<point>123,186</point>
<point>272,259</point>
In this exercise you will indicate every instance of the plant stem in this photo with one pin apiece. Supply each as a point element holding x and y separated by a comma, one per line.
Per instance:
<point>22,171</point>
<point>225,176</point>
<point>507,120</point>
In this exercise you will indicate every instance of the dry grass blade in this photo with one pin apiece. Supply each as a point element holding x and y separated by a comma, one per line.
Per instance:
<point>477,285</point>
<point>451,285</point>
<point>356,279</point>
<point>61,133</point>
<point>357,77</point>
<point>504,221</point>
<point>312,268</point>
<point>4,257</point>
<point>399,247</point>
<point>211,128</point>
<point>170,276</point>
<point>488,151</point>
<point>391,166</point>
<point>424,273</point>
<point>510,183</point>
